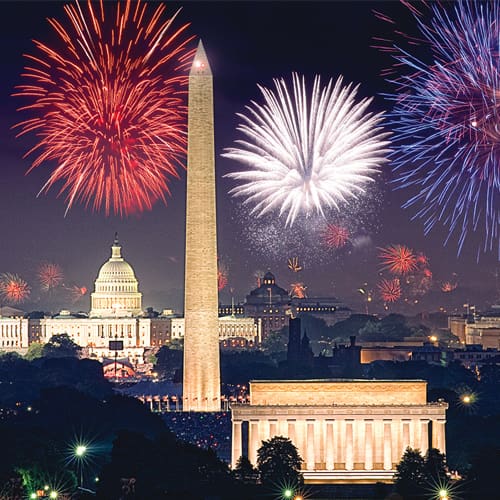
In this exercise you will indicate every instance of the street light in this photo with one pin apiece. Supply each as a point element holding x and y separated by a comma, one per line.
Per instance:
<point>80,450</point>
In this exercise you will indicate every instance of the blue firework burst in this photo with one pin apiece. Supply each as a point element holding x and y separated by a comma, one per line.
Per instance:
<point>446,120</point>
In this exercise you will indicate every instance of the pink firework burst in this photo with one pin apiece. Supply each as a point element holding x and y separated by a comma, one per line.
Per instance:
<point>335,236</point>
<point>13,288</point>
<point>49,276</point>
<point>398,259</point>
<point>390,290</point>
<point>109,104</point>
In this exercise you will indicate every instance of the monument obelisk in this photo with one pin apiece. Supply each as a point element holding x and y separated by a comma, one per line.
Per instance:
<point>201,380</point>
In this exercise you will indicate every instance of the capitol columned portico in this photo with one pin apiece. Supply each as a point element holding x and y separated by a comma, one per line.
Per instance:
<point>345,430</point>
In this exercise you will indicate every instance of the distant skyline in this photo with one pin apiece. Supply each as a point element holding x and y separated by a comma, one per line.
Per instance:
<point>247,43</point>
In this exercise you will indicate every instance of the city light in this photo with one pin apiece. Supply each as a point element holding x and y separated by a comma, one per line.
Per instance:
<point>80,450</point>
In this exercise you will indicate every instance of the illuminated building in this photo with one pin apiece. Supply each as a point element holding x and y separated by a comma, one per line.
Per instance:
<point>345,430</point>
<point>478,329</point>
<point>272,305</point>
<point>201,374</point>
<point>14,334</point>
<point>269,303</point>
<point>116,288</point>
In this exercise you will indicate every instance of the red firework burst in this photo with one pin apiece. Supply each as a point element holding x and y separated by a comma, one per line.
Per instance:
<point>13,288</point>
<point>110,105</point>
<point>422,259</point>
<point>222,275</point>
<point>298,291</point>
<point>49,276</point>
<point>335,236</point>
<point>77,292</point>
<point>398,259</point>
<point>390,290</point>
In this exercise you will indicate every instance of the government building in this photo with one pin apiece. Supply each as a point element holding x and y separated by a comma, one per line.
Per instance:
<point>116,313</point>
<point>345,430</point>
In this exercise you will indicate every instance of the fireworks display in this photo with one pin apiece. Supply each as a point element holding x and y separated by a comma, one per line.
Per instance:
<point>445,119</point>
<point>448,286</point>
<point>222,275</point>
<point>50,276</point>
<point>298,291</point>
<point>109,104</point>
<point>335,236</point>
<point>307,153</point>
<point>13,289</point>
<point>77,292</point>
<point>293,264</point>
<point>398,259</point>
<point>389,289</point>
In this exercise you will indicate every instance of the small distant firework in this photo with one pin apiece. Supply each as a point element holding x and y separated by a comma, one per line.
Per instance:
<point>77,292</point>
<point>448,286</point>
<point>445,118</point>
<point>298,291</point>
<point>13,288</point>
<point>109,104</point>
<point>222,274</point>
<point>398,259</point>
<point>307,152</point>
<point>389,289</point>
<point>336,236</point>
<point>293,264</point>
<point>50,276</point>
<point>422,259</point>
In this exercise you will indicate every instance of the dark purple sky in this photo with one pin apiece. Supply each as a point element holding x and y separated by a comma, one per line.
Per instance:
<point>247,43</point>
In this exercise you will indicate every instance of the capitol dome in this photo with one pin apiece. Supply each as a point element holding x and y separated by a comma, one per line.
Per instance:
<point>116,292</point>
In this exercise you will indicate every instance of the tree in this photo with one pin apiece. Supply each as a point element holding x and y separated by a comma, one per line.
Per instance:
<point>278,461</point>
<point>35,350</point>
<point>244,470</point>
<point>410,474</point>
<point>61,346</point>
<point>435,466</point>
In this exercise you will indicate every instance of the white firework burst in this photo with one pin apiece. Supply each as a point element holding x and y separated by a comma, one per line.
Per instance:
<point>307,154</point>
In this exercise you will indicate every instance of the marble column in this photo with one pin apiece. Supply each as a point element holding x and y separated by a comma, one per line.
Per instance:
<point>368,444</point>
<point>291,432</point>
<point>438,435</point>
<point>329,446</point>
<point>273,428</point>
<point>349,451</point>
<point>387,444</point>
<point>237,446</point>
<point>405,435</point>
<point>254,441</point>
<point>310,448</point>
<point>424,436</point>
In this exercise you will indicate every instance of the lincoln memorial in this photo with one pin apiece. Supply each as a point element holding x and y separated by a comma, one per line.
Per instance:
<point>345,430</point>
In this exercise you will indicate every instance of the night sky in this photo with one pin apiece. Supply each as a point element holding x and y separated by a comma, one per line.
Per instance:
<point>247,43</point>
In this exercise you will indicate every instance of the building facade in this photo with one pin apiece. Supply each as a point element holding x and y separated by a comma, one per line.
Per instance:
<point>345,430</point>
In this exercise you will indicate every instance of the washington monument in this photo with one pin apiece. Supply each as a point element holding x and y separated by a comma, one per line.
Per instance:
<point>201,384</point>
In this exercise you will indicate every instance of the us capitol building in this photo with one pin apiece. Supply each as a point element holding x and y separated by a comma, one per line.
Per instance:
<point>115,314</point>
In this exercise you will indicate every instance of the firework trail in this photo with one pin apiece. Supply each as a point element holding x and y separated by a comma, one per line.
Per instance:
<point>298,291</point>
<point>390,290</point>
<point>445,119</point>
<point>398,259</point>
<point>109,104</point>
<point>50,276</point>
<point>13,289</point>
<point>307,153</point>
<point>293,264</point>
<point>335,236</point>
